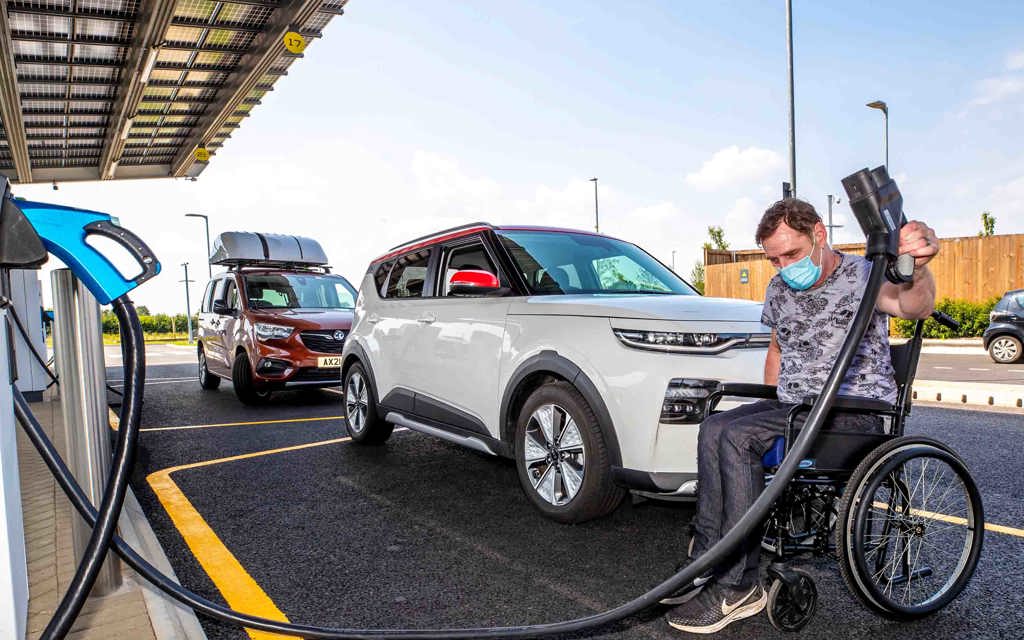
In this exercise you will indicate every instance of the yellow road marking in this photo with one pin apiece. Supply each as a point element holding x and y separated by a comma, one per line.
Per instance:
<point>239,589</point>
<point>240,424</point>
<point>941,517</point>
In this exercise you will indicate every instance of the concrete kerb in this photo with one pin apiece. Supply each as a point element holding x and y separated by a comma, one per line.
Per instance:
<point>980,394</point>
<point>170,620</point>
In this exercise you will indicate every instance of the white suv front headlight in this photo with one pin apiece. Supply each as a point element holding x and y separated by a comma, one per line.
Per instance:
<point>267,331</point>
<point>688,342</point>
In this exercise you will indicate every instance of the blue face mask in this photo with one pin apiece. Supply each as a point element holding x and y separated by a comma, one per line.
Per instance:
<point>803,273</point>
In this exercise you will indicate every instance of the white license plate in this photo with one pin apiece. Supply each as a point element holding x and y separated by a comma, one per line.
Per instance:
<point>325,362</point>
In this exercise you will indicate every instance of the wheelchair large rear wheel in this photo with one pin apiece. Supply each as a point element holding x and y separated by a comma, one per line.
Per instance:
<point>910,528</point>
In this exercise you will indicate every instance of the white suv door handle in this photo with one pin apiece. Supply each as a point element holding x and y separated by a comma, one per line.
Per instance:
<point>427,318</point>
<point>373,318</point>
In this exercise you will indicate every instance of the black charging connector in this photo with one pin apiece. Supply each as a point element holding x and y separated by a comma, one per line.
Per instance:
<point>878,206</point>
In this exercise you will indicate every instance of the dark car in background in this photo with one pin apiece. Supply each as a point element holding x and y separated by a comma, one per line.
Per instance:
<point>1005,333</point>
<point>277,319</point>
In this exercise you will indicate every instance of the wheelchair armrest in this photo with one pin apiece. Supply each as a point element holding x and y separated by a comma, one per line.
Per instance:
<point>856,404</point>
<point>748,390</point>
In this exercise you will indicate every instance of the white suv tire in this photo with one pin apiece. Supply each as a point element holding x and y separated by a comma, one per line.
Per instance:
<point>560,453</point>
<point>362,421</point>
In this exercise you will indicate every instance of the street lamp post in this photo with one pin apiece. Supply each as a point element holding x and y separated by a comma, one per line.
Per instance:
<point>881,106</point>
<point>831,199</point>
<point>673,259</point>
<point>206,222</point>
<point>188,305</point>
<point>597,223</point>
<point>792,103</point>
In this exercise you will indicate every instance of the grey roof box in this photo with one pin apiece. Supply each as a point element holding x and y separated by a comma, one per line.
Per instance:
<point>246,248</point>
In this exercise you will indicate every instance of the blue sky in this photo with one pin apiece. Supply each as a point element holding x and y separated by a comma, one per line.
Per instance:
<point>412,116</point>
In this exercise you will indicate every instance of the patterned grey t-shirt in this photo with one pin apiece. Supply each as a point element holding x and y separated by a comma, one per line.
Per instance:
<point>810,327</point>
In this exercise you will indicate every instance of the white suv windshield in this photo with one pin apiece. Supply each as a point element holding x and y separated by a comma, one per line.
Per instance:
<point>298,291</point>
<point>570,263</point>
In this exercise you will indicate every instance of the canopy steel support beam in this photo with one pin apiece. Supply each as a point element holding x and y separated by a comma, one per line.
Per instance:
<point>265,51</point>
<point>10,105</point>
<point>154,18</point>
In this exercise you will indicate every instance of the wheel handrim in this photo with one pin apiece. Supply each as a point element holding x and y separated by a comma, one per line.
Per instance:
<point>918,534</point>
<point>554,455</point>
<point>1004,349</point>
<point>356,402</point>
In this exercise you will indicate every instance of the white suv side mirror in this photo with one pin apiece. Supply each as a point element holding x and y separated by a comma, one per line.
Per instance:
<point>473,282</point>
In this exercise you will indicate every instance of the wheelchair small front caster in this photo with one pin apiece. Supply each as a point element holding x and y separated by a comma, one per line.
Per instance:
<point>792,600</point>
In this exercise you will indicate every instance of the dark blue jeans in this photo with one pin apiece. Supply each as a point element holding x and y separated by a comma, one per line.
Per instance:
<point>730,476</point>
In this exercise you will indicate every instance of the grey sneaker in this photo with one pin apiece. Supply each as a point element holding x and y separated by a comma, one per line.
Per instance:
<point>716,607</point>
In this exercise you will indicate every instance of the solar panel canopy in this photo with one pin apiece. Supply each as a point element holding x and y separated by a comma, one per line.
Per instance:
<point>111,89</point>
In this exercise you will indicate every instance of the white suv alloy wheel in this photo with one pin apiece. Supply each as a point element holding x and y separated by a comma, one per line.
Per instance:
<point>355,402</point>
<point>555,457</point>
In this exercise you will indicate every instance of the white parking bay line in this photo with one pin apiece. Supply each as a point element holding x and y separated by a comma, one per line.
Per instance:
<point>978,369</point>
<point>942,367</point>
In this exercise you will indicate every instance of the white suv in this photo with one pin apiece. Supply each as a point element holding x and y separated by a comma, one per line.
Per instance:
<point>580,356</point>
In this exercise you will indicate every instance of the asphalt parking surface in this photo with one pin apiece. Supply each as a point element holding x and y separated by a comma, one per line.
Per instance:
<point>420,533</point>
<point>968,368</point>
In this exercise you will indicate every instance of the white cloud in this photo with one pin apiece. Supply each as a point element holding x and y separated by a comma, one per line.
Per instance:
<point>1010,199</point>
<point>733,166</point>
<point>740,222</point>
<point>1015,61</point>
<point>994,90</point>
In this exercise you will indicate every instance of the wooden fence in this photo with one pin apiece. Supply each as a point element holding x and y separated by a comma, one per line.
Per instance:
<point>969,268</point>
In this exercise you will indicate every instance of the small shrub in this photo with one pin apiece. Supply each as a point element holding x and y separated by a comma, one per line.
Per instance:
<point>972,316</point>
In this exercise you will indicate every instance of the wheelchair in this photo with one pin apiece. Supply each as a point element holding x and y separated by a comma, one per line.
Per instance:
<point>900,513</point>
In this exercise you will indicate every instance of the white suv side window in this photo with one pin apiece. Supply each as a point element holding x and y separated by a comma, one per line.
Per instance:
<point>473,256</point>
<point>408,275</point>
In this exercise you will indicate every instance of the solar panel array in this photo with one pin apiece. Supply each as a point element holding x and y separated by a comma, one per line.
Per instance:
<point>70,59</point>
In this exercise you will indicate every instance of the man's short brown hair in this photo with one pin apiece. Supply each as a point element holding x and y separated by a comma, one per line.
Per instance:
<point>797,214</point>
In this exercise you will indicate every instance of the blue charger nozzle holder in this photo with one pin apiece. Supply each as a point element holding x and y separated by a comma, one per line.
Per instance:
<point>64,230</point>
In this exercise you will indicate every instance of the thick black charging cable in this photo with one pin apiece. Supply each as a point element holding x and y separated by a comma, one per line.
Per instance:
<point>718,553</point>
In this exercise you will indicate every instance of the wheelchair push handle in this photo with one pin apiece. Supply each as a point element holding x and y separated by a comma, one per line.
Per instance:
<point>945,320</point>
<point>878,206</point>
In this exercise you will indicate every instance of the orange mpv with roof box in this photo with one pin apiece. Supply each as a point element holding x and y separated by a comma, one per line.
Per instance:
<point>276,319</point>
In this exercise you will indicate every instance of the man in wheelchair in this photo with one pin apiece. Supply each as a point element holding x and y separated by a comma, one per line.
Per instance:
<point>809,305</point>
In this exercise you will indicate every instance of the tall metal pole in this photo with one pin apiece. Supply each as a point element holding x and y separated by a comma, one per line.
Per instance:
<point>886,118</point>
<point>831,199</point>
<point>792,104</point>
<point>597,222</point>
<point>673,259</point>
<point>188,307</point>
<point>206,223</point>
<point>884,108</point>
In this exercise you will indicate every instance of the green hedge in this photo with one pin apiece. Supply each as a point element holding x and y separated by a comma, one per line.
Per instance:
<point>972,316</point>
<point>159,323</point>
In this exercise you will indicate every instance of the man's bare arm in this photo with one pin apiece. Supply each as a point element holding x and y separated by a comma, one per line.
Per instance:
<point>915,299</point>
<point>772,361</point>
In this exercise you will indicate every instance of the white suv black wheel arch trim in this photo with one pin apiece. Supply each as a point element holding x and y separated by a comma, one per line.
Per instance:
<point>553,363</point>
<point>357,355</point>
